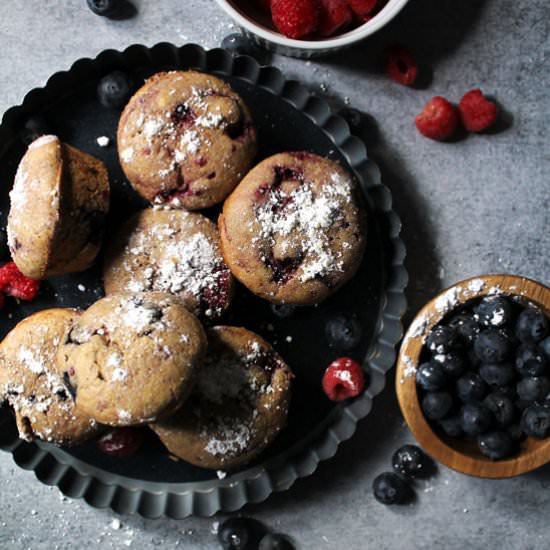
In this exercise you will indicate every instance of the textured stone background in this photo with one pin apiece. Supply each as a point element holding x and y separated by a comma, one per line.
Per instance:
<point>471,207</point>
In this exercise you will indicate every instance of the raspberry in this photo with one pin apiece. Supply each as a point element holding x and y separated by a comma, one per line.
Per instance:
<point>295,18</point>
<point>14,283</point>
<point>438,120</point>
<point>335,15</point>
<point>400,65</point>
<point>343,379</point>
<point>363,8</point>
<point>477,112</point>
<point>120,442</point>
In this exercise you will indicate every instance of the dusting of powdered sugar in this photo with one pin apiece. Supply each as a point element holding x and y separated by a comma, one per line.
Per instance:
<point>308,214</point>
<point>476,285</point>
<point>448,300</point>
<point>234,439</point>
<point>31,360</point>
<point>42,140</point>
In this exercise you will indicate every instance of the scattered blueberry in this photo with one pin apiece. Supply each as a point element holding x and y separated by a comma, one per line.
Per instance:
<point>436,405</point>
<point>496,444</point>
<point>535,421</point>
<point>502,408</point>
<point>533,388</point>
<point>531,361</point>
<point>104,7</point>
<point>471,387</point>
<point>452,425</point>
<point>343,332</point>
<point>33,128</point>
<point>430,376</point>
<point>441,340</point>
<point>476,419</point>
<point>275,541</point>
<point>239,44</point>
<point>235,533</point>
<point>114,90</point>
<point>389,488</point>
<point>494,311</point>
<point>466,327</point>
<point>492,346</point>
<point>497,374</point>
<point>353,117</point>
<point>283,311</point>
<point>545,347</point>
<point>409,460</point>
<point>452,364</point>
<point>532,325</point>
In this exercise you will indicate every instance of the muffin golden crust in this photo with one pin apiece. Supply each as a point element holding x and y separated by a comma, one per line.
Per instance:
<point>239,404</point>
<point>171,251</point>
<point>59,202</point>
<point>294,230</point>
<point>132,357</point>
<point>186,138</point>
<point>34,386</point>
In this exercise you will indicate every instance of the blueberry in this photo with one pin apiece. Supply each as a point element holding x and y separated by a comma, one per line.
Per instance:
<point>532,325</point>
<point>389,488</point>
<point>33,128</point>
<point>502,408</point>
<point>535,421</point>
<point>436,405</point>
<point>471,387</point>
<point>496,444</point>
<point>283,311</point>
<point>544,346</point>
<point>492,346</point>
<point>343,332</point>
<point>476,418</point>
<point>442,340</point>
<point>533,388</point>
<point>104,7</point>
<point>238,43</point>
<point>236,533</point>
<point>530,361</point>
<point>497,374</point>
<point>452,425</point>
<point>494,311</point>
<point>452,363</point>
<point>114,90</point>
<point>508,391</point>
<point>465,326</point>
<point>409,460</point>
<point>275,541</point>
<point>353,117</point>
<point>430,376</point>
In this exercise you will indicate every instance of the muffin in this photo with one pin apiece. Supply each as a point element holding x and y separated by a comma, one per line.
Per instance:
<point>294,230</point>
<point>34,386</point>
<point>59,202</point>
<point>132,357</point>
<point>186,138</point>
<point>171,251</point>
<point>238,406</point>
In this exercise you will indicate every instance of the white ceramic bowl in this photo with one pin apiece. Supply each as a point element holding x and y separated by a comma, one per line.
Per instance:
<point>258,26</point>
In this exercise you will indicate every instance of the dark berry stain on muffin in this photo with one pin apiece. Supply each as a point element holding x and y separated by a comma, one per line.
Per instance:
<point>283,270</point>
<point>182,115</point>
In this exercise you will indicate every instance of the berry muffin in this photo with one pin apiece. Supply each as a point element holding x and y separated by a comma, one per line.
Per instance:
<point>131,358</point>
<point>186,138</point>
<point>238,406</point>
<point>294,229</point>
<point>171,251</point>
<point>33,385</point>
<point>59,202</point>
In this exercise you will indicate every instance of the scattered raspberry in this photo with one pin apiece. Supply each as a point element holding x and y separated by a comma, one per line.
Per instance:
<point>121,442</point>
<point>477,112</point>
<point>363,8</point>
<point>14,283</point>
<point>343,379</point>
<point>335,15</point>
<point>438,120</point>
<point>295,18</point>
<point>400,65</point>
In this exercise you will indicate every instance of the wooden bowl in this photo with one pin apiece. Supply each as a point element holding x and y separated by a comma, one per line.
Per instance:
<point>462,455</point>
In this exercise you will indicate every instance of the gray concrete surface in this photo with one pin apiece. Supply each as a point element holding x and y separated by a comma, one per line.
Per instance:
<point>476,206</point>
